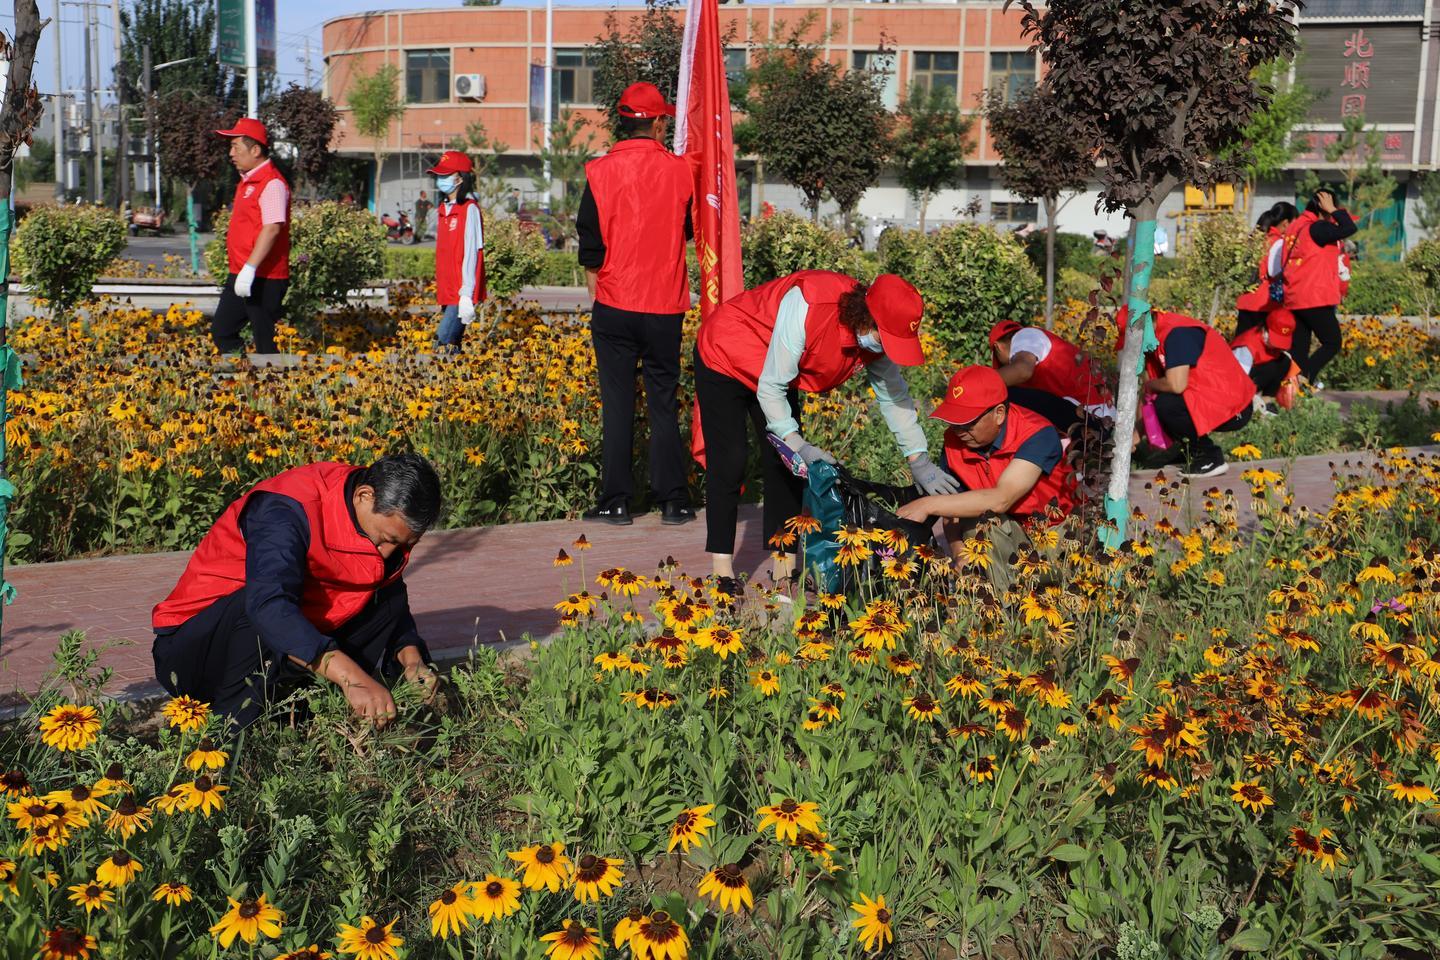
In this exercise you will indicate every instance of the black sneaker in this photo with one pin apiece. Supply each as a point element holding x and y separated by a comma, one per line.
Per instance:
<point>1205,465</point>
<point>618,515</point>
<point>675,514</point>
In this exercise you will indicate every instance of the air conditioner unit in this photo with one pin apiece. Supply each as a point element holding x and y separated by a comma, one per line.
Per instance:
<point>469,86</point>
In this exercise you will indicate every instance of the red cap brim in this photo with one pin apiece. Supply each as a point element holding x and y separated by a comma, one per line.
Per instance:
<point>958,414</point>
<point>906,351</point>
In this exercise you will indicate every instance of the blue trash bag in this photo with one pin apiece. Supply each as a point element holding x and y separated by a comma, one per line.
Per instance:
<point>824,501</point>
<point>838,499</point>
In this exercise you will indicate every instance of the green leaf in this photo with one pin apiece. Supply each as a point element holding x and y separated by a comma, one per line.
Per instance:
<point>1250,940</point>
<point>1069,853</point>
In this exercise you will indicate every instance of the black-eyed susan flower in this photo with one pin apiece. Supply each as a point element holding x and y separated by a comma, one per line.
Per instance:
<point>172,801</point>
<point>92,896</point>
<point>964,685</point>
<point>112,782</point>
<point>450,912</point>
<point>717,692</point>
<point>625,926</point>
<point>690,828</point>
<point>1013,723</point>
<point>312,952</point>
<point>70,727</point>
<point>186,713</point>
<point>788,817</point>
<point>495,898</point>
<point>369,940</point>
<point>66,943</point>
<point>721,641</point>
<point>922,707</point>
<point>34,812</point>
<point>80,804</point>
<point>563,559</point>
<point>831,601</point>
<point>901,665</point>
<point>580,604</point>
<point>874,923</point>
<point>249,919</point>
<point>574,941</point>
<point>658,937</point>
<point>1251,795</point>
<point>1157,776</point>
<point>118,869</point>
<point>206,756</point>
<point>727,887</point>
<point>14,783</point>
<point>172,894</point>
<point>203,794</point>
<point>596,877</point>
<point>545,865</point>
<point>765,681</point>
<point>1411,791</point>
<point>44,839</point>
<point>981,768</point>
<point>581,543</point>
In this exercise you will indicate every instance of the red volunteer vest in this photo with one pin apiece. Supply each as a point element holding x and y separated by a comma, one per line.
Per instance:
<point>736,337</point>
<point>1254,340</point>
<point>343,568</point>
<point>450,256</point>
<point>1068,372</point>
<point>1218,388</point>
<point>1259,298</point>
<point>642,192</point>
<point>981,472</point>
<point>1312,272</point>
<point>245,226</point>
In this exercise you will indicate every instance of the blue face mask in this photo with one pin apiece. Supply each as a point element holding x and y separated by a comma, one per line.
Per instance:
<point>447,184</point>
<point>871,342</point>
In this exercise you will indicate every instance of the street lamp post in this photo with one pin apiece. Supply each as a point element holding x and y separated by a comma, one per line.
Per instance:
<point>155,151</point>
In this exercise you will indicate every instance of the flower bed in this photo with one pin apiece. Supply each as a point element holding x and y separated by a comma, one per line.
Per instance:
<point>1205,743</point>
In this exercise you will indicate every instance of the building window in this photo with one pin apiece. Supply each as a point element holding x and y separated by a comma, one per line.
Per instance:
<point>937,71</point>
<point>882,65</point>
<point>1014,211</point>
<point>1012,73</point>
<point>574,78</point>
<point>427,76</point>
<point>736,62</point>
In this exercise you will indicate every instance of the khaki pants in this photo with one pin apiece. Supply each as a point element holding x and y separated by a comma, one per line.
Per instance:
<point>1006,537</point>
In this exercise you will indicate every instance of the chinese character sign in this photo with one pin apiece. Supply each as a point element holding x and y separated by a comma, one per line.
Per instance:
<point>1371,71</point>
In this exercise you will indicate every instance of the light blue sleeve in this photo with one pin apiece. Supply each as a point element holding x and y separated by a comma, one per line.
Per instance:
<point>896,405</point>
<point>782,364</point>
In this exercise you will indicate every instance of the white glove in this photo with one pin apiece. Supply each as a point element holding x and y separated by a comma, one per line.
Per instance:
<point>812,454</point>
<point>467,310</point>
<point>930,478</point>
<point>243,281</point>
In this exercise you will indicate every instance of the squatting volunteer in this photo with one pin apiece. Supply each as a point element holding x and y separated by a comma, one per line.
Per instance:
<point>257,244</point>
<point>1311,265</point>
<point>1252,307</point>
<point>809,331</point>
<point>1049,375</point>
<point>633,222</point>
<point>459,248</point>
<point>302,575</point>
<point>1198,385</point>
<point>1009,462</point>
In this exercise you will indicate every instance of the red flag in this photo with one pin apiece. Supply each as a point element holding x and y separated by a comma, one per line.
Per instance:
<point>703,135</point>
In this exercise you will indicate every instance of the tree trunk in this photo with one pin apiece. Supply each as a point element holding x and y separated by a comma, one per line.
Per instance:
<point>924,206</point>
<point>1139,329</point>
<point>1214,305</point>
<point>1050,263</point>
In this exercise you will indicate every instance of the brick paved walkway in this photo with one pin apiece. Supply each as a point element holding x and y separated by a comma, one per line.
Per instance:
<point>487,585</point>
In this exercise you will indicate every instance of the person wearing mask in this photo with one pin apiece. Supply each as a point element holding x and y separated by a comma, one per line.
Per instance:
<point>1198,386</point>
<point>633,224</point>
<point>1009,464</point>
<point>1254,305</point>
<point>1050,375</point>
<point>301,576</point>
<point>810,332</point>
<point>257,244</point>
<point>1311,267</point>
<point>459,248</point>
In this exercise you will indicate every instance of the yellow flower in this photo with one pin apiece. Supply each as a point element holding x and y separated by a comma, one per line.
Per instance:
<point>790,816</point>
<point>66,943</point>
<point>727,886</point>
<point>659,937</point>
<point>690,827</point>
<point>247,919</point>
<point>873,923</point>
<point>70,727</point>
<point>91,896</point>
<point>982,769</point>
<point>545,866</point>
<point>186,713</point>
<point>118,869</point>
<point>312,952</point>
<point>450,912</point>
<point>1250,795</point>
<point>1411,791</point>
<point>206,756</point>
<point>495,898</point>
<point>573,941</point>
<point>203,794</point>
<point>1245,451</point>
<point>368,941</point>
<point>766,682</point>
<point>596,877</point>
<point>173,894</point>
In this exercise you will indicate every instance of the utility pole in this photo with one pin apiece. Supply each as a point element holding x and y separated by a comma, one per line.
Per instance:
<point>58,104</point>
<point>147,87</point>
<point>96,169</point>
<point>252,63</point>
<point>122,136</point>
<point>549,80</point>
<point>307,61</point>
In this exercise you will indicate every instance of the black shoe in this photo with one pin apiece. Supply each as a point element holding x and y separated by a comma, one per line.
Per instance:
<point>674,513</point>
<point>618,515</point>
<point>1205,465</point>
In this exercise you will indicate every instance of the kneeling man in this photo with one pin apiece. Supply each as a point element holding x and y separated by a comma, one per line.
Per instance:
<point>302,575</point>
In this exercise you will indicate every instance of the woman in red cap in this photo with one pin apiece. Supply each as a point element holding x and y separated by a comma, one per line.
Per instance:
<point>1009,464</point>
<point>809,331</point>
<point>1049,374</point>
<point>459,248</point>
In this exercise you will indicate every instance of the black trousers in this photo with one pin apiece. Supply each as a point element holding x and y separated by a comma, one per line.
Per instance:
<point>1267,377</point>
<point>1324,325</point>
<point>728,409</point>
<point>216,656</point>
<point>1245,319</point>
<point>1059,411</point>
<point>261,310</point>
<point>623,339</point>
<point>1175,418</point>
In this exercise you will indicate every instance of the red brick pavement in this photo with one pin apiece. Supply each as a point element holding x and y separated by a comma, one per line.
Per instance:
<point>485,585</point>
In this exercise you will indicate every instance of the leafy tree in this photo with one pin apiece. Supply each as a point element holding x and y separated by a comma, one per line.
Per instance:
<point>571,147</point>
<point>1220,262</point>
<point>175,30</point>
<point>1156,90</point>
<point>930,142</point>
<point>1427,204</point>
<point>485,152</point>
<point>304,121</point>
<point>820,127</point>
<point>186,140</point>
<point>1042,160</point>
<point>375,103</point>
<point>1365,188</point>
<point>1265,145</point>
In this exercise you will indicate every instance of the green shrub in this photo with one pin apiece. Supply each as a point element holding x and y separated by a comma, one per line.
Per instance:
<point>1073,251</point>
<point>1220,263</point>
<point>1423,261</point>
<point>59,252</point>
<point>1072,284</point>
<point>970,276</point>
<point>514,257</point>
<point>217,262</point>
<point>1379,287</point>
<point>779,245</point>
<point>410,263</point>
<point>560,268</point>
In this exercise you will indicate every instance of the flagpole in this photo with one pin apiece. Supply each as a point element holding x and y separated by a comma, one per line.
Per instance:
<point>549,79</point>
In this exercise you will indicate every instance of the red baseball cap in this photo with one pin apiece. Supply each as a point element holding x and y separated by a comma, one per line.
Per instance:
<point>644,100</point>
<point>1002,330</point>
<point>897,308</point>
<point>452,161</point>
<point>248,127</point>
<point>972,391</point>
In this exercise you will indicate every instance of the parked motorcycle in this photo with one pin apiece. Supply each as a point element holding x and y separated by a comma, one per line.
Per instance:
<point>398,229</point>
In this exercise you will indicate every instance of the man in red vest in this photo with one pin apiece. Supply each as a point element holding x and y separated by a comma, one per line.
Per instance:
<point>1049,374</point>
<point>1009,463</point>
<point>257,244</point>
<point>633,222</point>
<point>303,574</point>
